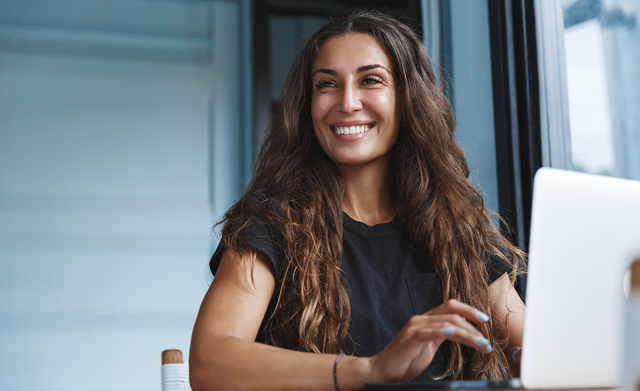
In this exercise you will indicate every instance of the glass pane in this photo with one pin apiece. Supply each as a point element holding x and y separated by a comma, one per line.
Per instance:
<point>602,47</point>
<point>286,37</point>
<point>456,34</point>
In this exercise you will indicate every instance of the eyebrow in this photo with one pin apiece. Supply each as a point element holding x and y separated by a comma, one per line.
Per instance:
<point>327,71</point>
<point>372,66</point>
<point>363,68</point>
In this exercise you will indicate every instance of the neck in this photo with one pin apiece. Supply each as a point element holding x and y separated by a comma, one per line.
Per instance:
<point>367,192</point>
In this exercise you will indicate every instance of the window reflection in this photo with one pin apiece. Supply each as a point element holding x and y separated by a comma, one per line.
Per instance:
<point>602,46</point>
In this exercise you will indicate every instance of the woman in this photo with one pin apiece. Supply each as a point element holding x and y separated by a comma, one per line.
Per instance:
<point>359,233</point>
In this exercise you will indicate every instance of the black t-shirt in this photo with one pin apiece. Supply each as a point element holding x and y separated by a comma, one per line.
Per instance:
<point>388,280</point>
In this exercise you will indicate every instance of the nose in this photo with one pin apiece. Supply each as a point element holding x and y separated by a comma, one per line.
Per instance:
<point>350,99</point>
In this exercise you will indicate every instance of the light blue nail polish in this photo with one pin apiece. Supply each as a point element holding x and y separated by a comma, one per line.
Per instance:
<point>448,330</point>
<point>482,341</point>
<point>513,356</point>
<point>488,349</point>
<point>482,316</point>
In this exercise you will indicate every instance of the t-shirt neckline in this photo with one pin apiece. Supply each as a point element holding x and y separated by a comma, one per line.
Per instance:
<point>348,220</point>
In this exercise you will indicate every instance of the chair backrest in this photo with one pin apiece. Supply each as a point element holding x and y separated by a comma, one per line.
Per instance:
<point>172,356</point>
<point>175,373</point>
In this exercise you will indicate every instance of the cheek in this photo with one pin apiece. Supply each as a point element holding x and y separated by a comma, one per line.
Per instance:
<point>393,114</point>
<point>318,115</point>
<point>385,106</point>
<point>319,108</point>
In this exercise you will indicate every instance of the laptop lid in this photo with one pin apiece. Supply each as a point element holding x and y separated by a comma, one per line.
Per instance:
<point>585,231</point>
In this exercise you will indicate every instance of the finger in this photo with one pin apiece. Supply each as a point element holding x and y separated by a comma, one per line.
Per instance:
<point>456,321</point>
<point>438,335</point>
<point>470,339</point>
<point>440,327</point>
<point>516,354</point>
<point>455,307</point>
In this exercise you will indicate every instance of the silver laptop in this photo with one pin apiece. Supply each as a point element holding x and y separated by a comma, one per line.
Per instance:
<point>585,232</point>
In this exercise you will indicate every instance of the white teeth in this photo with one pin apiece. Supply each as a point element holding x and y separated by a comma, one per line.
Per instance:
<point>352,129</point>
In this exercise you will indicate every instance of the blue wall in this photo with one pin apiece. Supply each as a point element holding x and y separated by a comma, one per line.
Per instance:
<point>125,132</point>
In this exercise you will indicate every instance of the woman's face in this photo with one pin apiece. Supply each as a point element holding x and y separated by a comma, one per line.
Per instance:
<point>353,105</point>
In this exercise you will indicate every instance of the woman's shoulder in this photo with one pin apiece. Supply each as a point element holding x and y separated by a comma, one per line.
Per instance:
<point>498,263</point>
<point>254,226</point>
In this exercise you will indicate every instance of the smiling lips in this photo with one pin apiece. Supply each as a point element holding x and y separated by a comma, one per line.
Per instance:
<point>340,130</point>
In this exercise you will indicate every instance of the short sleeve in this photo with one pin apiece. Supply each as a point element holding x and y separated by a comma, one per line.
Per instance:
<point>259,236</point>
<point>497,267</point>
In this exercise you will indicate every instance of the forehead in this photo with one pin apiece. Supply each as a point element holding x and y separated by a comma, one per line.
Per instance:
<point>351,51</point>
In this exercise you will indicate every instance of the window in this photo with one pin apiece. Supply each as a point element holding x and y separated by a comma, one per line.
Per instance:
<point>602,49</point>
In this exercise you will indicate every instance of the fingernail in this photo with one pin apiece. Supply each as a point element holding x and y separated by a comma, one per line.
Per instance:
<point>513,355</point>
<point>482,316</point>
<point>482,341</point>
<point>448,330</point>
<point>488,349</point>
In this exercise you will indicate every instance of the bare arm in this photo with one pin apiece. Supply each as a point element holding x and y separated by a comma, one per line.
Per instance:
<point>509,309</point>
<point>224,354</point>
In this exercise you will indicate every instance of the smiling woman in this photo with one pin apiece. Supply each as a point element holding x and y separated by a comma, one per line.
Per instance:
<point>354,99</point>
<point>359,234</point>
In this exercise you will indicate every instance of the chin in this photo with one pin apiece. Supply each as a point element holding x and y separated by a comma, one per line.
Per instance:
<point>353,161</point>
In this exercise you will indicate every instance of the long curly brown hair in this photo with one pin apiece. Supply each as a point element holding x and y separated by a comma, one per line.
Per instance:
<point>297,190</point>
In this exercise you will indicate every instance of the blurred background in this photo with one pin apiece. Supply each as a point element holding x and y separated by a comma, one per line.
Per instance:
<point>128,127</point>
<point>602,44</point>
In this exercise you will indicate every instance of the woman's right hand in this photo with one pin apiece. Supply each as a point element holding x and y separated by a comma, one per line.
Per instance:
<point>413,348</point>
